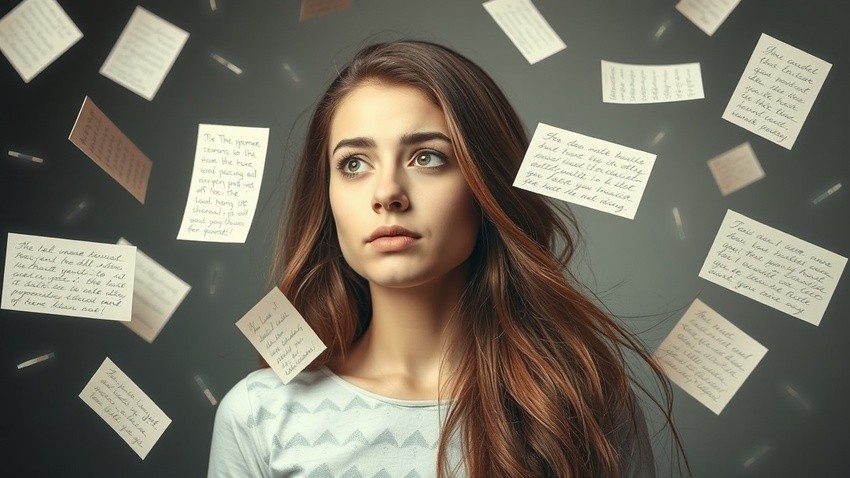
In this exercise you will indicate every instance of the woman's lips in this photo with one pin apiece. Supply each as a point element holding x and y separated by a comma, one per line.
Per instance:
<point>393,243</point>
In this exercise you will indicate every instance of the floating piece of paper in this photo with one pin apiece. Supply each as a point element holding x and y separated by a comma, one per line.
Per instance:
<point>125,408</point>
<point>735,169</point>
<point>99,139</point>
<point>205,390</point>
<point>34,34</point>
<point>317,8</point>
<point>776,91</point>
<point>156,295</point>
<point>66,277</point>
<point>677,218</point>
<point>636,84</point>
<point>772,267</point>
<point>526,28</point>
<point>26,157</point>
<point>229,162</point>
<point>144,53</point>
<point>829,192</point>
<point>708,15</point>
<point>33,361</point>
<point>586,171</point>
<point>281,335</point>
<point>708,357</point>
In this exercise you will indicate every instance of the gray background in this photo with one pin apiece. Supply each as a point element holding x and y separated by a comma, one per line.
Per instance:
<point>641,268</point>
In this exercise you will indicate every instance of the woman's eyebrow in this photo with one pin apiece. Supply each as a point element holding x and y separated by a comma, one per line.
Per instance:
<point>406,140</point>
<point>358,142</point>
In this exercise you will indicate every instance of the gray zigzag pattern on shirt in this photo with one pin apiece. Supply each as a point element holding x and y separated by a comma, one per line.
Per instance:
<point>302,379</point>
<point>327,437</point>
<point>296,407</point>
<point>324,471</point>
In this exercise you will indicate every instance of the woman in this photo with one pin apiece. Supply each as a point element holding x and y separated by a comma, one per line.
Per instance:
<point>457,342</point>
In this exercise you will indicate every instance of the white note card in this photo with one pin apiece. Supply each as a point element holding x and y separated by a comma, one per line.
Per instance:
<point>735,169</point>
<point>708,15</point>
<point>229,162</point>
<point>125,408</point>
<point>65,277</point>
<point>144,53</point>
<point>708,357</point>
<point>776,91</point>
<point>34,34</point>
<point>772,267</point>
<point>526,28</point>
<point>586,171</point>
<point>281,335</point>
<point>156,295</point>
<point>634,84</point>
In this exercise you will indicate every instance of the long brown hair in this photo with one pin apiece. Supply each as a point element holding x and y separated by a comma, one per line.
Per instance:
<point>541,386</point>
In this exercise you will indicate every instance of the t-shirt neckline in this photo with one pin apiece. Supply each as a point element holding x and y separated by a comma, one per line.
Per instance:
<point>382,398</point>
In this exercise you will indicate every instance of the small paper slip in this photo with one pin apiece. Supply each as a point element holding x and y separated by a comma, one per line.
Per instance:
<point>34,34</point>
<point>317,8</point>
<point>526,28</point>
<point>776,91</point>
<point>156,295</point>
<point>125,408</point>
<point>226,179</point>
<point>633,84</point>
<point>66,277</point>
<point>708,15</point>
<point>735,169</point>
<point>281,335</point>
<point>586,171</point>
<point>772,267</point>
<point>144,53</point>
<point>708,357</point>
<point>99,139</point>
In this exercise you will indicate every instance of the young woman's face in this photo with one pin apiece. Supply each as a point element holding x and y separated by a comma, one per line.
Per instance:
<point>403,211</point>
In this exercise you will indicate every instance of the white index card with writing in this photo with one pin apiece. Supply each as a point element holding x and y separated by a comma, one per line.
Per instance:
<point>776,91</point>
<point>125,408</point>
<point>708,15</point>
<point>772,267</point>
<point>34,34</point>
<point>633,84</point>
<point>156,295</point>
<point>67,277</point>
<point>281,335</point>
<point>526,28</point>
<point>708,357</point>
<point>229,162</point>
<point>144,53</point>
<point>735,169</point>
<point>587,171</point>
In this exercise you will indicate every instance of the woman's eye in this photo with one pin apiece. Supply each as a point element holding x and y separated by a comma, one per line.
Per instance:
<point>429,159</point>
<point>353,165</point>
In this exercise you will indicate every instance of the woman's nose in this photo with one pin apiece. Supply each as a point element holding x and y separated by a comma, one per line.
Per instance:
<point>390,194</point>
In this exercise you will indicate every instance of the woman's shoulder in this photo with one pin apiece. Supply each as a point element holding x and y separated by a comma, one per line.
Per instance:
<point>264,389</point>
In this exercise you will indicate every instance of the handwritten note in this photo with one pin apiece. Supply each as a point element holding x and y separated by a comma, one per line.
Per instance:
<point>229,162</point>
<point>144,53</point>
<point>735,169</point>
<point>708,15</point>
<point>772,267</point>
<point>281,335</point>
<point>526,28</point>
<point>34,34</point>
<point>98,137</point>
<point>776,91</point>
<point>65,277</point>
<point>585,171</point>
<point>316,8</point>
<point>624,83</point>
<point>708,356</point>
<point>125,408</point>
<point>156,295</point>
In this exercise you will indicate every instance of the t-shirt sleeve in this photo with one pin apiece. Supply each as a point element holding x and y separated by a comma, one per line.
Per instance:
<point>235,451</point>
<point>636,459</point>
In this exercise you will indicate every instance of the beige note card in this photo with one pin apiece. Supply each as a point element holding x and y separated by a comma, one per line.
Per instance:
<point>65,277</point>
<point>526,28</point>
<point>34,34</point>
<point>125,408</point>
<point>317,8</point>
<point>735,169</point>
<point>281,335</point>
<point>634,84</point>
<point>583,170</point>
<point>772,267</point>
<point>98,137</point>
<point>156,295</point>
<point>144,53</point>
<point>708,357</point>
<point>776,92</point>
<point>708,15</point>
